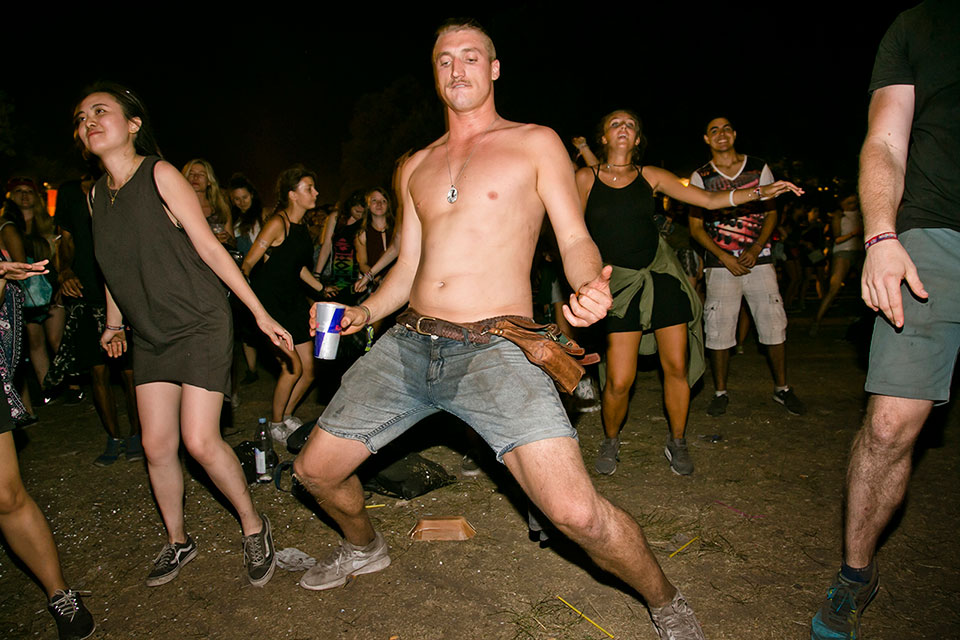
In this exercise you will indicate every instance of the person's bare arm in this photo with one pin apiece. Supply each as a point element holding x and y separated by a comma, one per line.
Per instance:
<point>113,340</point>
<point>326,248</point>
<point>883,163</point>
<point>185,208</point>
<point>668,183</point>
<point>13,243</point>
<point>360,250</point>
<point>749,257</point>
<point>388,256</point>
<point>270,234</point>
<point>582,265</point>
<point>307,276</point>
<point>585,152</point>
<point>69,283</point>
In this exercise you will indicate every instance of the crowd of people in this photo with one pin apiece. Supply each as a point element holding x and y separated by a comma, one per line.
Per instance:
<point>182,286</point>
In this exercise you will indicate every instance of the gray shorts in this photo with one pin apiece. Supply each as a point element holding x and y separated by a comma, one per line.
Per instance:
<point>407,377</point>
<point>917,361</point>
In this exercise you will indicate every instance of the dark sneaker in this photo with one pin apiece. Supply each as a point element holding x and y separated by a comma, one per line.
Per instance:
<point>347,561</point>
<point>167,564</point>
<point>718,405</point>
<point>134,448</point>
<point>839,615</point>
<point>72,397</point>
<point>259,556</point>
<point>608,456</point>
<point>679,457</point>
<point>74,622</point>
<point>789,400</point>
<point>468,465</point>
<point>676,621</point>
<point>110,454</point>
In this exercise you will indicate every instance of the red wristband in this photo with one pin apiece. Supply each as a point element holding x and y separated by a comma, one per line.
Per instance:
<point>889,235</point>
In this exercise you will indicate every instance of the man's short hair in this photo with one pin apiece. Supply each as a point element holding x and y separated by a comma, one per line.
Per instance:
<point>706,127</point>
<point>464,24</point>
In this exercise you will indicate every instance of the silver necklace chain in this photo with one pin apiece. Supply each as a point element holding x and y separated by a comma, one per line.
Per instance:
<point>453,193</point>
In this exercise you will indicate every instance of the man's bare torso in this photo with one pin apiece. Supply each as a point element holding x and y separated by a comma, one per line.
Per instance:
<point>476,253</point>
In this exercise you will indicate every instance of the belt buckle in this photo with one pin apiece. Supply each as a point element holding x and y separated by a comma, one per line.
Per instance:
<point>417,325</point>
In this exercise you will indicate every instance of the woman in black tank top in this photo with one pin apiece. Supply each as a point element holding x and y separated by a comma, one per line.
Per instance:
<point>618,207</point>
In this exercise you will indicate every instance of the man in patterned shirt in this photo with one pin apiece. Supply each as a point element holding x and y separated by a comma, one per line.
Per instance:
<point>739,264</point>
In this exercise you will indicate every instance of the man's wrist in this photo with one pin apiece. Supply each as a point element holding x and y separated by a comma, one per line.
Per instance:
<point>880,237</point>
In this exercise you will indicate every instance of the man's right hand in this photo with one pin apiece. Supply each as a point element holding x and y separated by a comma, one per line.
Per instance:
<point>733,265</point>
<point>887,264</point>
<point>353,320</point>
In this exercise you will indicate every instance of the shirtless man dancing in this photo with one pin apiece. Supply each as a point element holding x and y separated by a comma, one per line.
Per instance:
<point>475,200</point>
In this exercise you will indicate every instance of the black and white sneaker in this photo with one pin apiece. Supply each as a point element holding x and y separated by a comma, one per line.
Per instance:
<point>259,556</point>
<point>167,564</point>
<point>73,620</point>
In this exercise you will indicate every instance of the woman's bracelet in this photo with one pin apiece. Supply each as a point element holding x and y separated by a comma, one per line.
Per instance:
<point>110,327</point>
<point>887,235</point>
<point>367,312</point>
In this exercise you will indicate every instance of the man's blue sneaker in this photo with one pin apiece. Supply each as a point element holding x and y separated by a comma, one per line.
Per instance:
<point>839,616</point>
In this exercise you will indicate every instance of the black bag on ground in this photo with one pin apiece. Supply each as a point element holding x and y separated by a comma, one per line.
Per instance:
<point>409,477</point>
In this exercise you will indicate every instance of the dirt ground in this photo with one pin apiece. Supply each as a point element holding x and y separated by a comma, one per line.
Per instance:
<point>761,514</point>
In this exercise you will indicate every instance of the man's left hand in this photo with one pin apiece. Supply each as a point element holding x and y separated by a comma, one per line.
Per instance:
<point>749,257</point>
<point>591,302</point>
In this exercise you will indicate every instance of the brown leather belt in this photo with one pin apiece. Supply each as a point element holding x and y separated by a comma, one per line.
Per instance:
<point>474,332</point>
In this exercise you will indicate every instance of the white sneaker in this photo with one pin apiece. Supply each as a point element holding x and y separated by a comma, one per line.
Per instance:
<point>347,560</point>
<point>279,432</point>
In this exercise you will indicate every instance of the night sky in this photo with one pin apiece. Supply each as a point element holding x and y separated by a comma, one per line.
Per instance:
<point>346,96</point>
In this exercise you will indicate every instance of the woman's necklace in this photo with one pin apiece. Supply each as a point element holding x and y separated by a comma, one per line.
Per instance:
<point>453,194</point>
<point>629,164</point>
<point>113,193</point>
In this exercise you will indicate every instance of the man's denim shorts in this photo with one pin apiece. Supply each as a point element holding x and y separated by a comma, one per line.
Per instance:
<point>407,376</point>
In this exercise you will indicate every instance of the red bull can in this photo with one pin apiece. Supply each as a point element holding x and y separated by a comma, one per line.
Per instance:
<point>327,338</point>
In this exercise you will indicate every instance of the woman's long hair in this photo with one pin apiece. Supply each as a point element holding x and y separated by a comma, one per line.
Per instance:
<point>221,210</point>
<point>245,221</point>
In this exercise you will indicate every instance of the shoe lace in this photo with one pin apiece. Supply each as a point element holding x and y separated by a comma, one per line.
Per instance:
<point>676,619</point>
<point>65,603</point>
<point>843,605</point>
<point>253,551</point>
<point>166,555</point>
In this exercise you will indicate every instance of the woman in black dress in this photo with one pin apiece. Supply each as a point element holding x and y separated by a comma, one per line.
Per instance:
<point>161,263</point>
<point>618,203</point>
<point>278,283</point>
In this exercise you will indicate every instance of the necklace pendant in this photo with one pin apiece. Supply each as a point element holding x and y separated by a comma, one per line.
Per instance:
<point>452,194</point>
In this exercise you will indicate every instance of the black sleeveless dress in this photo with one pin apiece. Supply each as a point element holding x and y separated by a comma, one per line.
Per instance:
<point>620,220</point>
<point>278,285</point>
<point>175,304</point>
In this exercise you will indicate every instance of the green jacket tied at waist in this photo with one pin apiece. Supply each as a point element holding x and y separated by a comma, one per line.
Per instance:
<point>627,287</point>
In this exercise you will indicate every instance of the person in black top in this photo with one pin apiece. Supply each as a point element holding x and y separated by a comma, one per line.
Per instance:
<point>910,199</point>
<point>277,283</point>
<point>618,202</point>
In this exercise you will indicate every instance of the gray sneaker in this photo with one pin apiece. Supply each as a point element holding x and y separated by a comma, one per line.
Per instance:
<point>676,620</point>
<point>347,560</point>
<point>608,456</point>
<point>259,556</point>
<point>679,457</point>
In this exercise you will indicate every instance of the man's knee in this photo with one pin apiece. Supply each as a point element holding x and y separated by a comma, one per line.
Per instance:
<point>581,520</point>
<point>892,424</point>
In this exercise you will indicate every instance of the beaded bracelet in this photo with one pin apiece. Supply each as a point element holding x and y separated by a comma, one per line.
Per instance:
<point>888,235</point>
<point>113,328</point>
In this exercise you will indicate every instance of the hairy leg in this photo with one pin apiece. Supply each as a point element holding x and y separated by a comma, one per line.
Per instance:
<point>326,467</point>
<point>23,525</point>
<point>672,346</point>
<point>621,372</point>
<point>552,474</point>
<point>879,471</point>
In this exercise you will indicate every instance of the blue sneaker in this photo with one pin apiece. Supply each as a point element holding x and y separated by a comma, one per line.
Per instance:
<point>839,616</point>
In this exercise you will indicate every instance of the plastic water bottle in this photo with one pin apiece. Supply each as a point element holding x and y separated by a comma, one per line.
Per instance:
<point>265,458</point>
